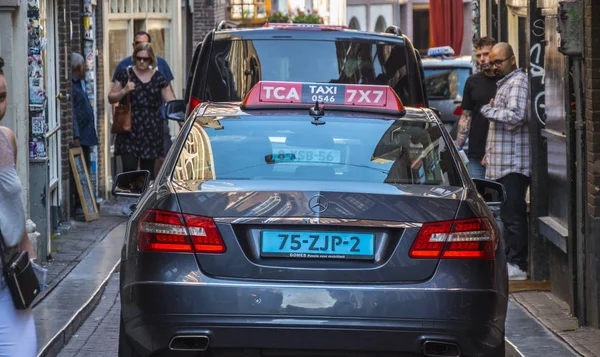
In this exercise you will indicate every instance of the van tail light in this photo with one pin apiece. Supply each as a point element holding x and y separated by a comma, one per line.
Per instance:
<point>461,239</point>
<point>457,111</point>
<point>162,231</point>
<point>192,104</point>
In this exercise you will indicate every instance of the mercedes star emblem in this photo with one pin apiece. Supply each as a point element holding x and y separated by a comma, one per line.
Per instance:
<point>318,204</point>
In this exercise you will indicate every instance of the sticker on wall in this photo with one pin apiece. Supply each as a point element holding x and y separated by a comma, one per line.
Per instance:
<point>36,66</point>
<point>87,22</point>
<point>32,150</point>
<point>34,39</point>
<point>88,35</point>
<point>36,89</point>
<point>33,9</point>
<point>40,148</point>
<point>38,124</point>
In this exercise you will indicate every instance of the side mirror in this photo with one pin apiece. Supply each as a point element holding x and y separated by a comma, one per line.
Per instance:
<point>492,192</point>
<point>131,183</point>
<point>176,110</point>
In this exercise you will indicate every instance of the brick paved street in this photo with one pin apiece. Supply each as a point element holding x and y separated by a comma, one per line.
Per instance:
<point>99,335</point>
<point>68,249</point>
<point>554,315</point>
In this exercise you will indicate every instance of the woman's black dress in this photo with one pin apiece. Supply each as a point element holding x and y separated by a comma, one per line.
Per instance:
<point>145,141</point>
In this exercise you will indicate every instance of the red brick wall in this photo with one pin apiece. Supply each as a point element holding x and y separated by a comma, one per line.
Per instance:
<point>64,48</point>
<point>100,98</point>
<point>76,9</point>
<point>592,115</point>
<point>592,104</point>
<point>207,14</point>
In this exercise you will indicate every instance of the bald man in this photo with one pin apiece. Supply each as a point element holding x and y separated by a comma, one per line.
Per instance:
<point>507,153</point>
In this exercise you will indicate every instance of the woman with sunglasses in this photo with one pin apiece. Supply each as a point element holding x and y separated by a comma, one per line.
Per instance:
<point>146,87</point>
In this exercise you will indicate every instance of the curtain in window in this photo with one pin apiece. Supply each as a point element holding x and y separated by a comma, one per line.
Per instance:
<point>446,23</point>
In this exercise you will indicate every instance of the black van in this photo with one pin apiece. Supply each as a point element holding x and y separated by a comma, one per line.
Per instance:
<point>229,62</point>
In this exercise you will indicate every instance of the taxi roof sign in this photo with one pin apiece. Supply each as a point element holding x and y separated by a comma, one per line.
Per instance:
<point>356,97</point>
<point>440,51</point>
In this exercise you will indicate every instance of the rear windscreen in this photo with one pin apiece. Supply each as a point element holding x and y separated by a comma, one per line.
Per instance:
<point>235,66</point>
<point>445,83</point>
<point>289,147</point>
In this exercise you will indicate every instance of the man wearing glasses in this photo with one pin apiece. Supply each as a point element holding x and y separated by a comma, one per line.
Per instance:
<point>162,67</point>
<point>479,89</point>
<point>507,153</point>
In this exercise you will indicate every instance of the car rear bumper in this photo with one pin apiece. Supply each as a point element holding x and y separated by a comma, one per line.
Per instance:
<point>151,334</point>
<point>279,317</point>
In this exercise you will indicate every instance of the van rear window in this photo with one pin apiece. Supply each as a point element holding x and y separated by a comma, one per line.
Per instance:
<point>237,65</point>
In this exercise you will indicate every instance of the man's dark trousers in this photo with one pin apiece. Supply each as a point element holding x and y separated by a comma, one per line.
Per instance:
<point>514,217</point>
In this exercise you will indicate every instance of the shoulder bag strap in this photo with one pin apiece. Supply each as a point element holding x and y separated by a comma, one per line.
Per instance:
<point>128,95</point>
<point>2,250</point>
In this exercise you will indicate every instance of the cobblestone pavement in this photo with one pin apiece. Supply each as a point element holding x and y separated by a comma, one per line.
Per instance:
<point>554,315</point>
<point>99,335</point>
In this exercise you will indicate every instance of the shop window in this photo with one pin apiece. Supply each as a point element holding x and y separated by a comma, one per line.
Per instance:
<point>160,32</point>
<point>421,29</point>
<point>250,11</point>
<point>118,43</point>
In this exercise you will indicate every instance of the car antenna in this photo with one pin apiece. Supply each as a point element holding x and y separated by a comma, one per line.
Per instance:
<point>317,112</point>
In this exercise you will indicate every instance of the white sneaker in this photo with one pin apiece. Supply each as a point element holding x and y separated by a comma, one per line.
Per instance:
<point>515,273</point>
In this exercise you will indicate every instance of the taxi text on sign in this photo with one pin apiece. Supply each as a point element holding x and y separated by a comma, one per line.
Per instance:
<point>340,94</point>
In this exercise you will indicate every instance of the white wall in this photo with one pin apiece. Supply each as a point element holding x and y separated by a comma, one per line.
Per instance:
<point>13,48</point>
<point>467,45</point>
<point>387,11</point>
<point>406,19</point>
<point>360,12</point>
<point>337,12</point>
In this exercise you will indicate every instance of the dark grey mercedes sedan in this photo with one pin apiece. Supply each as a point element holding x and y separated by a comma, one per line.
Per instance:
<point>312,219</point>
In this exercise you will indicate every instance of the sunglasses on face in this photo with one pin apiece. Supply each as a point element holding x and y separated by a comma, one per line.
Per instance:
<point>499,62</point>
<point>142,59</point>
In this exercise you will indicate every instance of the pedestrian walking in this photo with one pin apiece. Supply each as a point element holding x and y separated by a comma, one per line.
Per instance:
<point>163,67</point>
<point>480,88</point>
<point>507,153</point>
<point>17,327</point>
<point>147,88</point>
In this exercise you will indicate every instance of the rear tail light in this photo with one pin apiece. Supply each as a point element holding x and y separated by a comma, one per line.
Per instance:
<point>457,111</point>
<point>461,239</point>
<point>192,104</point>
<point>162,231</point>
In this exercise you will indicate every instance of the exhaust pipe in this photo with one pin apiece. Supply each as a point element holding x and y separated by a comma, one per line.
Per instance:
<point>189,343</point>
<point>440,349</point>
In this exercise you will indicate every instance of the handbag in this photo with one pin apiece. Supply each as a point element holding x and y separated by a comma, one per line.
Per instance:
<point>20,277</point>
<point>122,114</point>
